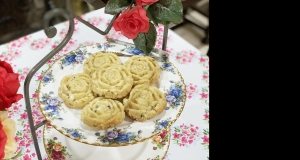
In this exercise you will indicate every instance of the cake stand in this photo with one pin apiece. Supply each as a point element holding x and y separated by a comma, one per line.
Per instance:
<point>50,32</point>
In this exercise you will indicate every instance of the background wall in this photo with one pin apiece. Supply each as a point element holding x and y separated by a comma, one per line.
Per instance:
<point>22,17</point>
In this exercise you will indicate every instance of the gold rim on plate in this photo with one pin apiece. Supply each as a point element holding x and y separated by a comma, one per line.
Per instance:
<point>48,154</point>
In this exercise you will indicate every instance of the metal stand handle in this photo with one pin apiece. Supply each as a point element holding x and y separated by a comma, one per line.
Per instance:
<point>50,33</point>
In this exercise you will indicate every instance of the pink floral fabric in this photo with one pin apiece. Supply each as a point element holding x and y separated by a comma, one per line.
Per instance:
<point>189,134</point>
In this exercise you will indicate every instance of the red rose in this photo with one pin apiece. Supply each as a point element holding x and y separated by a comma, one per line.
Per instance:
<point>132,21</point>
<point>3,139</point>
<point>9,85</point>
<point>145,2</point>
<point>163,134</point>
<point>57,155</point>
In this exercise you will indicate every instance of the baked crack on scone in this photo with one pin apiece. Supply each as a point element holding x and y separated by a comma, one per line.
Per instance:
<point>98,59</point>
<point>103,113</point>
<point>112,81</point>
<point>75,90</point>
<point>144,102</point>
<point>144,69</point>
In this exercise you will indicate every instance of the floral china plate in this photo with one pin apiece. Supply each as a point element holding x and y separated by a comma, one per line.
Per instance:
<point>59,147</point>
<point>67,121</point>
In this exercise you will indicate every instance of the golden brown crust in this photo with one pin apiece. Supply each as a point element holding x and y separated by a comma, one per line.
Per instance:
<point>75,90</point>
<point>103,113</point>
<point>144,102</point>
<point>144,69</point>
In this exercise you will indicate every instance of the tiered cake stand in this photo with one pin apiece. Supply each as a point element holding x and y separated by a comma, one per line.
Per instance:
<point>51,32</point>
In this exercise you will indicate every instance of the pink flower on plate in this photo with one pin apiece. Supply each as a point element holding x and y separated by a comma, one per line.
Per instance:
<point>26,157</point>
<point>204,95</point>
<point>41,76</point>
<point>205,76</point>
<point>191,90</point>
<point>184,140</point>
<point>185,132</point>
<point>53,46</point>
<point>202,60</point>
<point>33,154</point>
<point>206,116</point>
<point>190,141</point>
<point>205,139</point>
<point>22,143</point>
<point>16,108</point>
<point>24,116</point>
<point>50,61</point>
<point>193,130</point>
<point>17,138</point>
<point>176,135</point>
<point>26,136</point>
<point>34,95</point>
<point>182,126</point>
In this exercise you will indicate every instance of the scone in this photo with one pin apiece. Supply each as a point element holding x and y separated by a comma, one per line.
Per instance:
<point>103,113</point>
<point>144,69</point>
<point>98,59</point>
<point>112,81</point>
<point>144,102</point>
<point>75,90</point>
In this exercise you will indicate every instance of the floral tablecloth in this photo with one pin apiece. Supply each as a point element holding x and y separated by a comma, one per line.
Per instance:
<point>189,134</point>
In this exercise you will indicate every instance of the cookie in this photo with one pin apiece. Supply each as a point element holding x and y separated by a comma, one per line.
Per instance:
<point>112,81</point>
<point>103,113</point>
<point>144,69</point>
<point>144,102</point>
<point>98,59</point>
<point>75,90</point>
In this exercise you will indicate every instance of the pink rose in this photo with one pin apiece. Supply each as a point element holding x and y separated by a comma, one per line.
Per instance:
<point>145,2</point>
<point>132,21</point>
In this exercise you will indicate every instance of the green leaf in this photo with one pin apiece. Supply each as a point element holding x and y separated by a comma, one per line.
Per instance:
<point>116,6</point>
<point>152,18</point>
<point>146,41</point>
<point>166,11</point>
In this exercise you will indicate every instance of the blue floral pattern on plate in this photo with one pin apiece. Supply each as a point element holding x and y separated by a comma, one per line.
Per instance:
<point>48,78</point>
<point>133,50</point>
<point>166,66</point>
<point>117,136</point>
<point>104,46</point>
<point>161,124</point>
<point>75,133</point>
<point>174,95</point>
<point>76,57</point>
<point>52,105</point>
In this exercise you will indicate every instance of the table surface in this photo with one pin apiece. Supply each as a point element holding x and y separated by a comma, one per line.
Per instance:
<point>26,51</point>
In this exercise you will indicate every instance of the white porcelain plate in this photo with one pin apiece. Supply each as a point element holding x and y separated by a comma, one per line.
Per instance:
<point>67,121</point>
<point>59,147</point>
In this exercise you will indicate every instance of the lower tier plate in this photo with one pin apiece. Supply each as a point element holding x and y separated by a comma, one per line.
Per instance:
<point>60,147</point>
